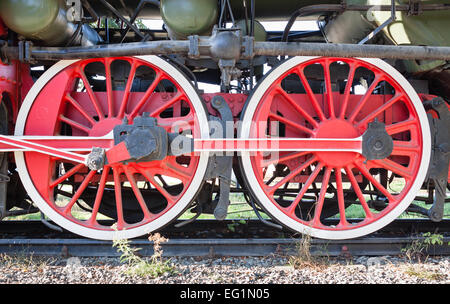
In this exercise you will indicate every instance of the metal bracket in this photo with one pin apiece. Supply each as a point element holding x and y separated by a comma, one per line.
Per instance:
<point>391,19</point>
<point>376,142</point>
<point>415,8</point>
<point>220,166</point>
<point>194,52</point>
<point>440,159</point>
<point>229,71</point>
<point>24,48</point>
<point>144,139</point>
<point>247,45</point>
<point>75,11</point>
<point>96,159</point>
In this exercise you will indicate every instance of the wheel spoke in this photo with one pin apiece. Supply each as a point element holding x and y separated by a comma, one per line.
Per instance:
<point>109,88</point>
<point>74,124</point>
<point>66,175</point>
<point>400,127</point>
<point>329,91</point>
<point>292,124</point>
<point>298,108</point>
<point>392,166</point>
<point>170,198</point>
<point>118,196</point>
<point>366,97</point>
<point>91,94</point>
<point>379,110</point>
<point>319,205</point>
<point>173,169</point>
<point>348,87</point>
<point>340,195</point>
<point>305,188</point>
<point>284,158</point>
<point>359,194</point>
<point>147,94</point>
<point>147,214</point>
<point>98,197</point>
<point>80,109</point>
<point>126,94</point>
<point>310,94</point>
<point>80,190</point>
<point>291,175</point>
<point>184,123</point>
<point>405,148</point>
<point>167,105</point>
<point>376,184</point>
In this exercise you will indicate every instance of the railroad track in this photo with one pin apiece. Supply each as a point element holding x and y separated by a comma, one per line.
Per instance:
<point>209,238</point>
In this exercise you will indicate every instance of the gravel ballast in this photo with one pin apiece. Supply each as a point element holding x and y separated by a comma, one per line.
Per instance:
<point>227,270</point>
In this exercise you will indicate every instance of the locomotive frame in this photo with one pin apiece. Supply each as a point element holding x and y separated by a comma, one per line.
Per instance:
<point>120,122</point>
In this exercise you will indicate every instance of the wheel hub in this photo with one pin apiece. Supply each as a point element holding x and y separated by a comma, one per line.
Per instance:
<point>336,128</point>
<point>144,140</point>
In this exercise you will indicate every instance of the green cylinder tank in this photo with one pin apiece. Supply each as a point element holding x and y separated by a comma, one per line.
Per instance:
<point>30,18</point>
<point>44,20</point>
<point>189,17</point>
<point>259,31</point>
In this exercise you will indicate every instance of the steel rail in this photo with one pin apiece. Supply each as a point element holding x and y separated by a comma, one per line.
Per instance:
<point>371,246</point>
<point>380,243</point>
<point>207,227</point>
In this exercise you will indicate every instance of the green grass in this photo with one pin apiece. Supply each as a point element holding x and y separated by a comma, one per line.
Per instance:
<point>239,209</point>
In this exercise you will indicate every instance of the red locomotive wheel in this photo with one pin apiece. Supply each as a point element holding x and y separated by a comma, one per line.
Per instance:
<point>89,98</point>
<point>318,192</point>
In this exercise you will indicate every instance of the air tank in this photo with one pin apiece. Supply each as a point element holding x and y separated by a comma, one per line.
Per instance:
<point>189,17</point>
<point>45,20</point>
<point>265,10</point>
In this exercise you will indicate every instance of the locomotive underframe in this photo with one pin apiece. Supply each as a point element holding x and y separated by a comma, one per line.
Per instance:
<point>232,55</point>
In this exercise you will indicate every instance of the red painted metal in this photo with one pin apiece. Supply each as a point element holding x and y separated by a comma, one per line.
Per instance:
<point>15,82</point>
<point>310,120</point>
<point>61,106</point>
<point>337,115</point>
<point>3,29</point>
<point>236,102</point>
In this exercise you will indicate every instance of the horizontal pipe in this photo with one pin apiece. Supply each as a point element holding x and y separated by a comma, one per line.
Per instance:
<point>166,47</point>
<point>162,47</point>
<point>351,50</point>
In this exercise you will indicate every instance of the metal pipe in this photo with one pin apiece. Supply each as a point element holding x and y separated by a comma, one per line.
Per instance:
<point>351,50</point>
<point>183,47</point>
<point>309,10</point>
<point>391,19</point>
<point>340,8</point>
<point>111,50</point>
<point>124,20</point>
<point>136,14</point>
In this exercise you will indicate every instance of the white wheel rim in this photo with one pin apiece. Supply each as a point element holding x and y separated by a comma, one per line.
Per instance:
<point>156,224</point>
<point>281,217</point>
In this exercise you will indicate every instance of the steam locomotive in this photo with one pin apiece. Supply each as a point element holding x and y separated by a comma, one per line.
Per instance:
<point>106,128</point>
